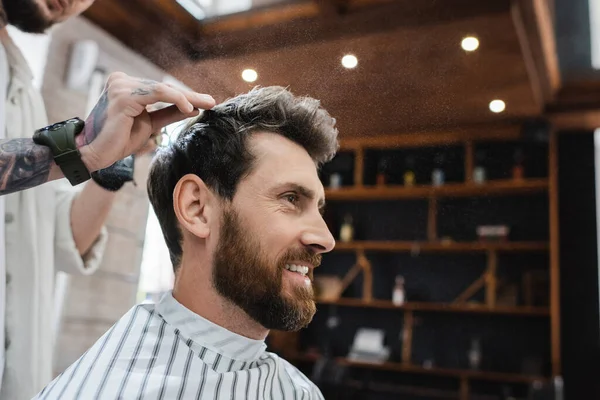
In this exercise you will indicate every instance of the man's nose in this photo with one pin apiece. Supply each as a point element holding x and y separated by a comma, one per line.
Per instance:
<point>318,237</point>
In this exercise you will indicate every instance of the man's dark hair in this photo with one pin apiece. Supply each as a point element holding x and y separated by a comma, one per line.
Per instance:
<point>214,146</point>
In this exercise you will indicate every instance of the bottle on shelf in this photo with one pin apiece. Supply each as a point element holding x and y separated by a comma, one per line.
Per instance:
<point>438,176</point>
<point>382,169</point>
<point>475,354</point>
<point>479,173</point>
<point>398,296</point>
<point>518,170</point>
<point>409,171</point>
<point>347,229</point>
<point>335,180</point>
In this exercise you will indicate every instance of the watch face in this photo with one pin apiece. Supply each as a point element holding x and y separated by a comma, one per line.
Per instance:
<point>56,126</point>
<point>76,122</point>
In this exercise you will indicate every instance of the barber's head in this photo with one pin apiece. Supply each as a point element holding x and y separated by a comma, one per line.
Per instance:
<point>36,16</point>
<point>241,185</point>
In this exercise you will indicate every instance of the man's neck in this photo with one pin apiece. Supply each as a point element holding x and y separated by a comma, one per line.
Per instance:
<point>194,289</point>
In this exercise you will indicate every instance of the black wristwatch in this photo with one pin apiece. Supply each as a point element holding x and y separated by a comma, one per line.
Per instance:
<point>60,138</point>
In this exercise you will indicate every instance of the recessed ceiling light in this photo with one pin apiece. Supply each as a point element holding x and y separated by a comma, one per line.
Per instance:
<point>470,43</point>
<point>497,106</point>
<point>249,75</point>
<point>349,61</point>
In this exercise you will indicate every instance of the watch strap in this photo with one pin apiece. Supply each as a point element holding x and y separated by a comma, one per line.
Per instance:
<point>60,138</point>
<point>72,167</point>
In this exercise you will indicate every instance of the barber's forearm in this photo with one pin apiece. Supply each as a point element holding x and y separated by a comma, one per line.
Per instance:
<point>24,164</point>
<point>88,214</point>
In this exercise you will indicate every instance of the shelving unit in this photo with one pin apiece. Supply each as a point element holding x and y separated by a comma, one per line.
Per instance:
<point>360,192</point>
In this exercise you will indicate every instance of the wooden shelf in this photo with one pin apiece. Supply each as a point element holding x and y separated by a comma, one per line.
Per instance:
<point>449,372</point>
<point>491,188</point>
<point>415,369</point>
<point>444,247</point>
<point>440,307</point>
<point>423,392</point>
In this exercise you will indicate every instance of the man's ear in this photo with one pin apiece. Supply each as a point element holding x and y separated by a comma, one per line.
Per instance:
<point>194,205</point>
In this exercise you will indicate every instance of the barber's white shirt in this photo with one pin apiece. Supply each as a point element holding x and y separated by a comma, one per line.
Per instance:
<point>4,79</point>
<point>38,242</point>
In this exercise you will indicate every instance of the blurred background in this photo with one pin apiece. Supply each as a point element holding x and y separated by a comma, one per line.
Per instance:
<point>463,200</point>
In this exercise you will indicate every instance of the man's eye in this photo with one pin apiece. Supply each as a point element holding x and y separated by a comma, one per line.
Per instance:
<point>292,198</point>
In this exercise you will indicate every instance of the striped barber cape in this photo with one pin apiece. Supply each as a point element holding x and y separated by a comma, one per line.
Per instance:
<point>166,351</point>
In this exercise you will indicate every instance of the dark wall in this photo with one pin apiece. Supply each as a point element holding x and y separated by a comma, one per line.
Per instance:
<point>579,267</point>
<point>573,38</point>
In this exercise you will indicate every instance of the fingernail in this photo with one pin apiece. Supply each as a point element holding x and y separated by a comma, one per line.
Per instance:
<point>190,107</point>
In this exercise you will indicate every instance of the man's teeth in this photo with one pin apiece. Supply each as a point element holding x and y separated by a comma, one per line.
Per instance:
<point>302,270</point>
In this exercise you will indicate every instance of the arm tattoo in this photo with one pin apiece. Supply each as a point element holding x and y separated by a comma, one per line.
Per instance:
<point>95,122</point>
<point>23,165</point>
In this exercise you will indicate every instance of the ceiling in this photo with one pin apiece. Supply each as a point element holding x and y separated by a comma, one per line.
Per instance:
<point>412,73</point>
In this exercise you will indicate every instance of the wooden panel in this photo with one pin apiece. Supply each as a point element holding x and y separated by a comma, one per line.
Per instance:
<point>432,219</point>
<point>471,290</point>
<point>441,86</point>
<point>450,247</point>
<point>576,120</point>
<point>554,257</point>
<point>457,373</point>
<point>260,18</point>
<point>329,8</point>
<point>491,188</point>
<point>448,372</point>
<point>469,161</point>
<point>441,307</point>
<point>277,27</point>
<point>490,281</point>
<point>442,247</point>
<point>367,293</point>
<point>464,388</point>
<point>403,390</point>
<point>407,337</point>
<point>359,167</point>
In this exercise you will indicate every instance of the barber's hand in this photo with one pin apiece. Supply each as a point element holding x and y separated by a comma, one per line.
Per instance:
<point>119,124</point>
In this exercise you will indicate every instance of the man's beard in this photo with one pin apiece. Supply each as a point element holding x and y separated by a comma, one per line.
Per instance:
<point>26,15</point>
<point>244,275</point>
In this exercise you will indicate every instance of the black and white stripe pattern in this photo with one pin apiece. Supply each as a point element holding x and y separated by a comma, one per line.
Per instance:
<point>168,352</point>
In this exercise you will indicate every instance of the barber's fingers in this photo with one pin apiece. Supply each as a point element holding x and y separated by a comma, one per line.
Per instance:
<point>199,100</point>
<point>149,92</point>
<point>146,92</point>
<point>169,115</point>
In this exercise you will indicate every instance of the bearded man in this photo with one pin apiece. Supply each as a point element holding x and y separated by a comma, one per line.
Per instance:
<point>240,205</point>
